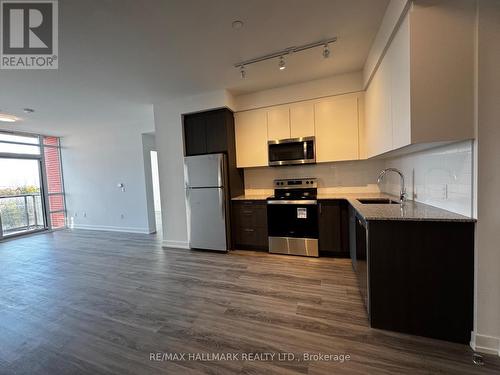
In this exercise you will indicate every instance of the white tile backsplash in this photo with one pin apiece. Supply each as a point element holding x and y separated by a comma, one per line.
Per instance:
<point>349,176</point>
<point>441,177</point>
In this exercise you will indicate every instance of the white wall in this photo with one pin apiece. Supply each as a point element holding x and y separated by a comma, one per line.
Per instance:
<point>169,144</point>
<point>441,177</point>
<point>487,315</point>
<point>335,85</point>
<point>95,159</point>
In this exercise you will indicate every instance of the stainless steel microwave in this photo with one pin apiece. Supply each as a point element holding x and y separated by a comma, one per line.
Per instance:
<point>292,151</point>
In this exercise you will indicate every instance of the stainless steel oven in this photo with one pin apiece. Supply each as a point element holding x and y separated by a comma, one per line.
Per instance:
<point>292,216</point>
<point>292,151</point>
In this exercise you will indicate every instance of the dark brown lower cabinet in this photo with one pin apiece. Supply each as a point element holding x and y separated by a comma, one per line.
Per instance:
<point>249,225</point>
<point>420,276</point>
<point>333,228</point>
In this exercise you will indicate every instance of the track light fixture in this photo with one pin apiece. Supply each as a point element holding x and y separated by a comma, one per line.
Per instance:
<point>326,51</point>
<point>282,64</point>
<point>287,51</point>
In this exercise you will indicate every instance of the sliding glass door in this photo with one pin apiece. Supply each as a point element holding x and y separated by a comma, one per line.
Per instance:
<point>21,199</point>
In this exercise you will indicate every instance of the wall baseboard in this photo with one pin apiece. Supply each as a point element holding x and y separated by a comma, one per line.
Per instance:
<point>112,228</point>
<point>175,244</point>
<point>485,344</point>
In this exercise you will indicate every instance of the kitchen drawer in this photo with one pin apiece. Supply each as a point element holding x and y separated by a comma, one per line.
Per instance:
<point>249,225</point>
<point>250,215</point>
<point>251,238</point>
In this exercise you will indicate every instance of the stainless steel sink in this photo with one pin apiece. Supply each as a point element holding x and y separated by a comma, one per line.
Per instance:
<point>377,201</point>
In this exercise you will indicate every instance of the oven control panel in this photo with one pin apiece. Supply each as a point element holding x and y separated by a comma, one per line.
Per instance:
<point>296,183</point>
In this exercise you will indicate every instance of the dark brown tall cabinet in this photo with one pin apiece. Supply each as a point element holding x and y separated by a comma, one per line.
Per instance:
<point>212,132</point>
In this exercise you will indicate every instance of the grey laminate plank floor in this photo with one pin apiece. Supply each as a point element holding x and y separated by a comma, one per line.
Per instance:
<point>83,302</point>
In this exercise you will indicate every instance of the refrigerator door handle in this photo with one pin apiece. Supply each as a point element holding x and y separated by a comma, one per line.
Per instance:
<point>223,202</point>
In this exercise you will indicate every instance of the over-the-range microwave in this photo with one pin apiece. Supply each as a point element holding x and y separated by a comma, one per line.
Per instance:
<point>292,151</point>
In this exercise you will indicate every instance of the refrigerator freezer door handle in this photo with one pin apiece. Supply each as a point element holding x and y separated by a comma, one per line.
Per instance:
<point>221,171</point>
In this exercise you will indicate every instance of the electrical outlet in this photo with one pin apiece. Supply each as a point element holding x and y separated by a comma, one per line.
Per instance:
<point>122,216</point>
<point>84,214</point>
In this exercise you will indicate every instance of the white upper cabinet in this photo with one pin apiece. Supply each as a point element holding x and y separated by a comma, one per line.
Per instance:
<point>398,58</point>
<point>423,88</point>
<point>302,120</point>
<point>251,138</point>
<point>333,121</point>
<point>290,121</point>
<point>336,125</point>
<point>387,107</point>
<point>278,123</point>
<point>378,114</point>
<point>442,53</point>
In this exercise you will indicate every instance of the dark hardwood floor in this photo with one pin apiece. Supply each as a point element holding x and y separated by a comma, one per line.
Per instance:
<point>86,302</point>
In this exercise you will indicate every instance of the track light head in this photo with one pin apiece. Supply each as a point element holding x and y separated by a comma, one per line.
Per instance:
<point>326,51</point>
<point>243,72</point>
<point>282,64</point>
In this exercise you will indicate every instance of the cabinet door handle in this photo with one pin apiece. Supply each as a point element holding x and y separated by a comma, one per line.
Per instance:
<point>320,205</point>
<point>249,230</point>
<point>247,212</point>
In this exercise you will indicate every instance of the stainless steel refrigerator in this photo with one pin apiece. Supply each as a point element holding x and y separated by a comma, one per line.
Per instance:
<point>207,197</point>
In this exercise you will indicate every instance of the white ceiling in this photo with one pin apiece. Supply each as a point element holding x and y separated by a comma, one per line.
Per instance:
<point>116,56</point>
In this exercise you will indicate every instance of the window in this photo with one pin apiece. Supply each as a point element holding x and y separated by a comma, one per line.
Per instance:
<point>17,144</point>
<point>7,137</point>
<point>31,184</point>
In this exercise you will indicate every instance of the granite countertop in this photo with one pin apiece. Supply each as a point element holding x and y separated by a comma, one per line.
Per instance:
<point>413,211</point>
<point>251,197</point>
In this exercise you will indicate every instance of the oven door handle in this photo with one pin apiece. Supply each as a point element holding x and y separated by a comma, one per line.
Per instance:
<point>296,202</point>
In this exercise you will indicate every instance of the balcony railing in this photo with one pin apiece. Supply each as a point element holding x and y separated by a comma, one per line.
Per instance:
<point>21,213</point>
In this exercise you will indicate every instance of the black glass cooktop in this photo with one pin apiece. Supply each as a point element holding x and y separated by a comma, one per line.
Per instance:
<point>292,194</point>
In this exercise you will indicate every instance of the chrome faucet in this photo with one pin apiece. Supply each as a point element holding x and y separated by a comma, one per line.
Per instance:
<point>402,191</point>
